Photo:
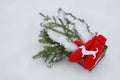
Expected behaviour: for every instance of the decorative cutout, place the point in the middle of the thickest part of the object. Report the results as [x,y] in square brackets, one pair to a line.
[88,52]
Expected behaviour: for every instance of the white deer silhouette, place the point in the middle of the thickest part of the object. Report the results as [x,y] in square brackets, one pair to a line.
[86,52]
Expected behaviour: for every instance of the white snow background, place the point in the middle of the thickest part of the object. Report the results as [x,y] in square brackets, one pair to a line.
[19,30]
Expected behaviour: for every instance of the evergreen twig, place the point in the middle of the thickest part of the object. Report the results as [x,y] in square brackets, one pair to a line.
[51,53]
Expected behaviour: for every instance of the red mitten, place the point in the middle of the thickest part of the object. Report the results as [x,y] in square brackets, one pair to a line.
[78,43]
[99,43]
[89,43]
[76,56]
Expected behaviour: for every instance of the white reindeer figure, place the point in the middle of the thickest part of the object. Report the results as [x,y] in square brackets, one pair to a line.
[86,52]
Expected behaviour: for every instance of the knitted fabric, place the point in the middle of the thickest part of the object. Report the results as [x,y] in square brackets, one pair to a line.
[89,62]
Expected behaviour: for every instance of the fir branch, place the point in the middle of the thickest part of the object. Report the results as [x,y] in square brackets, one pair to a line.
[51,53]
[44,37]
[46,17]
[79,19]
[67,32]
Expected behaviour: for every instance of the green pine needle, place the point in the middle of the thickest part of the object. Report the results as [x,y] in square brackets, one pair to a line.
[52,53]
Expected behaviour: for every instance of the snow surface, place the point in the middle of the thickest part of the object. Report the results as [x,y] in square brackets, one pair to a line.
[19,29]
